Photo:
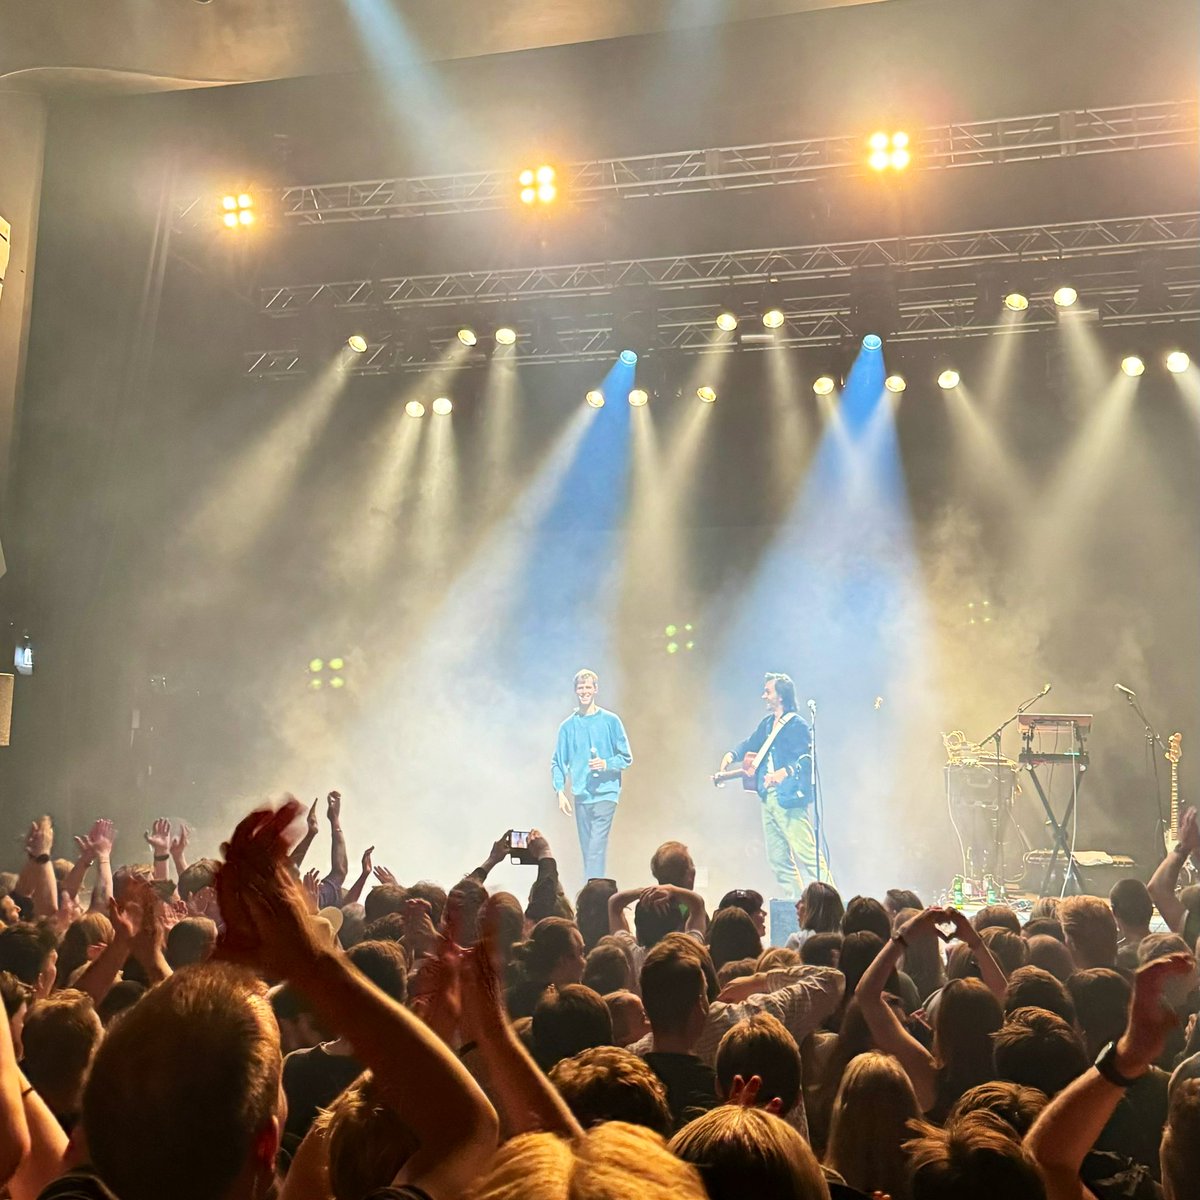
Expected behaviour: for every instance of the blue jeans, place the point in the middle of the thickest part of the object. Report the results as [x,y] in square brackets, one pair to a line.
[593,822]
[792,850]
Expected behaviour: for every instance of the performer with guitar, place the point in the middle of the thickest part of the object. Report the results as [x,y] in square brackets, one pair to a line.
[776,762]
[592,751]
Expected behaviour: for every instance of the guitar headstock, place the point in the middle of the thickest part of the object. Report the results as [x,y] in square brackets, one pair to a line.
[1174,753]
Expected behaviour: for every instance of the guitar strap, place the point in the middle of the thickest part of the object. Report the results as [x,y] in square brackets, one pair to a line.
[766,746]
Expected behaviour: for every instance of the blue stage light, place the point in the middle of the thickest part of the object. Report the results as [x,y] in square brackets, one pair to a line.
[872,341]
[629,358]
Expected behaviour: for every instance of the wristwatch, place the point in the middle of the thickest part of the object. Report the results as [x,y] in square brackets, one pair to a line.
[1106,1064]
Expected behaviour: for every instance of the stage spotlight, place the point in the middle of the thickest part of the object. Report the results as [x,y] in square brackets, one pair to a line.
[315,665]
[629,357]
[1065,296]
[538,185]
[337,682]
[1178,362]
[442,406]
[823,385]
[468,336]
[639,397]
[336,664]
[595,398]
[872,342]
[773,318]
[357,343]
[948,380]
[238,210]
[506,335]
[888,150]
[895,383]
[707,394]
[727,320]
[1132,366]
[415,408]
[1016,301]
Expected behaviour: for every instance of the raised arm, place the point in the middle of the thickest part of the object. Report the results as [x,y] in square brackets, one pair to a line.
[178,848]
[101,839]
[889,1034]
[14,1131]
[429,1089]
[356,889]
[1070,1124]
[990,971]
[546,897]
[339,864]
[527,1100]
[311,825]
[618,902]
[1165,879]
[37,876]
[697,920]
[494,859]
[85,856]
[158,838]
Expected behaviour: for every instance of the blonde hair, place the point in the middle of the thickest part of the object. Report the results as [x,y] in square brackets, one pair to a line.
[869,1125]
[749,1152]
[1091,930]
[587,673]
[367,1141]
[612,1162]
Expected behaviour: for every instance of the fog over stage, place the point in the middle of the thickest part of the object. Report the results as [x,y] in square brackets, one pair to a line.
[217,499]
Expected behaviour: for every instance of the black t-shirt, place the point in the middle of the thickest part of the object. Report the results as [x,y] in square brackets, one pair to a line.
[691,1085]
[313,1079]
[400,1193]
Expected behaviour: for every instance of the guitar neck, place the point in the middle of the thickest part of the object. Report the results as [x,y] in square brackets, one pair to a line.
[1175,801]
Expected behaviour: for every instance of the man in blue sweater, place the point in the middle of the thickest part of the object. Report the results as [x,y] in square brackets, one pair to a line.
[783,779]
[592,752]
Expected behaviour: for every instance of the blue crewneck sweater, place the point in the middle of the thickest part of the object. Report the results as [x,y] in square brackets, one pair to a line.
[578,736]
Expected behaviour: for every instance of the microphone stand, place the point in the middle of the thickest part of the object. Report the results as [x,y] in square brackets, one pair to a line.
[994,736]
[1152,740]
[812,713]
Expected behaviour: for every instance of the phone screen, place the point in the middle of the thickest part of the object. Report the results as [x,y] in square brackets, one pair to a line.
[518,839]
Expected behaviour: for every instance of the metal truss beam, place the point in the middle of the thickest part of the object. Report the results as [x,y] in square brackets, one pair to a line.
[1066,134]
[817,321]
[919,256]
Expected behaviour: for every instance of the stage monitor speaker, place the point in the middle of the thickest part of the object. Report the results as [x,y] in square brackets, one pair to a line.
[6,699]
[783,921]
[1098,870]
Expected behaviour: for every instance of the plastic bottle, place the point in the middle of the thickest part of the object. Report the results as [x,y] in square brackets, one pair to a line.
[956,891]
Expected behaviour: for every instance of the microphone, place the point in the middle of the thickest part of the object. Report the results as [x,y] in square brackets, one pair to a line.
[1128,693]
[812,706]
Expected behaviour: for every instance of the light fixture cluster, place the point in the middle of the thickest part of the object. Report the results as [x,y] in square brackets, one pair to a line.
[1176,361]
[324,674]
[505,335]
[888,151]
[443,406]
[773,317]
[238,211]
[539,185]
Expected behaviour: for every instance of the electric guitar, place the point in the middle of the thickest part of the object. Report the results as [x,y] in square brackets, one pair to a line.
[1173,755]
[745,771]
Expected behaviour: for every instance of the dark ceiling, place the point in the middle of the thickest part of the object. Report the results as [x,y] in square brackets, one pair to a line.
[124,45]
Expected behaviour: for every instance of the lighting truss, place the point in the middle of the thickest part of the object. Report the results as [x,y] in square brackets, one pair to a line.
[918,255]
[1070,133]
[930,314]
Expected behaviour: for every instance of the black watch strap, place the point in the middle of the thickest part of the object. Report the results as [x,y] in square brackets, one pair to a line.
[1106,1064]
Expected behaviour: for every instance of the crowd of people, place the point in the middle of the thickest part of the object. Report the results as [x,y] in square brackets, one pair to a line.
[244,1027]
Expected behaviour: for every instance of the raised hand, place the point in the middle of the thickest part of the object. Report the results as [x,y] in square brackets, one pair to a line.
[366,860]
[179,843]
[1189,831]
[1151,1017]
[539,847]
[158,837]
[744,1092]
[312,822]
[333,809]
[482,997]
[385,877]
[102,835]
[499,850]
[266,919]
[40,838]
[312,888]
[126,919]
